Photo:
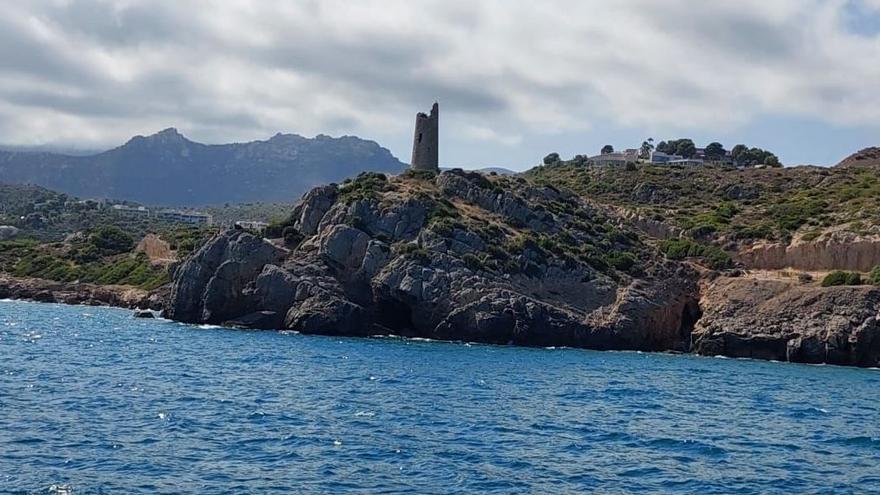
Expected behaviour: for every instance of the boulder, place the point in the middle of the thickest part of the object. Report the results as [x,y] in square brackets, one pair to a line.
[7,232]
[258,320]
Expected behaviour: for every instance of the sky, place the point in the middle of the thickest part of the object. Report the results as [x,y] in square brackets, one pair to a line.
[515,79]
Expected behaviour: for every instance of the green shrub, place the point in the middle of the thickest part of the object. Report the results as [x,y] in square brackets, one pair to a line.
[839,277]
[110,240]
[472,262]
[366,185]
[679,249]
[874,277]
[854,278]
[622,260]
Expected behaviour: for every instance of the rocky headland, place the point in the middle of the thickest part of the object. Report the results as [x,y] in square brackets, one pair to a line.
[511,260]
[463,256]
[458,256]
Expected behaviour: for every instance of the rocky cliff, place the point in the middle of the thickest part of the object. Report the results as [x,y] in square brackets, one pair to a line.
[788,321]
[458,256]
[845,251]
[464,256]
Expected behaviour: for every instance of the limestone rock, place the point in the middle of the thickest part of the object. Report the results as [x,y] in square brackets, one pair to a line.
[209,287]
[786,321]
[456,256]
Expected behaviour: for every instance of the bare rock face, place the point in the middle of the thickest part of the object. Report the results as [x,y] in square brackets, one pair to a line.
[784,321]
[843,251]
[459,256]
[210,286]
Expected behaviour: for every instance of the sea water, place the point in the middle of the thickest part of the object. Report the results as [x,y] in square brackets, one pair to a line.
[95,401]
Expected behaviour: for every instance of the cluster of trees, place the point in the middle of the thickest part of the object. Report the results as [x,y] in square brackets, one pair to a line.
[741,154]
[748,157]
[684,147]
[838,278]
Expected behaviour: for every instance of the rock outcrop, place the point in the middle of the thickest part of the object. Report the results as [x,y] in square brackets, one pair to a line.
[843,251]
[34,289]
[786,321]
[7,232]
[458,256]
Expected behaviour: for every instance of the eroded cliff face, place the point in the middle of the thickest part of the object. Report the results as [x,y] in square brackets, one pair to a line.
[456,256]
[842,252]
[786,321]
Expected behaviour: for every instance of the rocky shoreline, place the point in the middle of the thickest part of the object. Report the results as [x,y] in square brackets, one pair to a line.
[466,257]
[41,290]
[380,265]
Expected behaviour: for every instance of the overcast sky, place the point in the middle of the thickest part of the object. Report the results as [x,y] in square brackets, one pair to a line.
[515,79]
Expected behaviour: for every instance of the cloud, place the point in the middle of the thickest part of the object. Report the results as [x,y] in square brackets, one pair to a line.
[93,72]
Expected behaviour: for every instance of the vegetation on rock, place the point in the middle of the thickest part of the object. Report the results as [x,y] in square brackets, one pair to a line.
[729,204]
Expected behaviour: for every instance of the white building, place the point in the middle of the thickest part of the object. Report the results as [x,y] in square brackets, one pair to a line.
[251,225]
[131,211]
[188,217]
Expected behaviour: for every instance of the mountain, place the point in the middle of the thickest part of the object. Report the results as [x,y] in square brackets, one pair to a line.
[167,168]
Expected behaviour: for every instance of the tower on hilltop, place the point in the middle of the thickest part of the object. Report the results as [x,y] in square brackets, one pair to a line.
[425,155]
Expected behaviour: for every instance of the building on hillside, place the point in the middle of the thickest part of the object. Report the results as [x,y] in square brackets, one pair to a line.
[251,225]
[188,217]
[686,162]
[131,211]
[661,158]
[616,158]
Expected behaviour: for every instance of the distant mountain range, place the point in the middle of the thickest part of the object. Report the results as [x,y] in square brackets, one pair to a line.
[169,169]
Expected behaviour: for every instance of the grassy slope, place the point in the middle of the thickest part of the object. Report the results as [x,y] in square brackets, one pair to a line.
[727,204]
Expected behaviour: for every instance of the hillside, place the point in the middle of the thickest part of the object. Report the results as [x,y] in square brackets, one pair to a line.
[868,157]
[169,169]
[730,205]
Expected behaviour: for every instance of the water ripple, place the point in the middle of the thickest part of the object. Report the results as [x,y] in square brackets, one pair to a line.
[94,401]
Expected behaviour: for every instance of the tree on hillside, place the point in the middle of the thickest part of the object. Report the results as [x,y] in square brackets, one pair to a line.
[551,159]
[744,156]
[646,149]
[715,151]
[110,240]
[738,153]
[607,149]
[685,148]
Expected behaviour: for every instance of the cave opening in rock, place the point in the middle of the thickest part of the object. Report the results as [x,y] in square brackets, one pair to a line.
[395,316]
[690,315]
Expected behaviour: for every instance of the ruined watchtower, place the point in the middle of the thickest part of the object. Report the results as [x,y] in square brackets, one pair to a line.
[425,155]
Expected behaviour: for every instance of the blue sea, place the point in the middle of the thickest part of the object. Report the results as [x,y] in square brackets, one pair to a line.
[95,401]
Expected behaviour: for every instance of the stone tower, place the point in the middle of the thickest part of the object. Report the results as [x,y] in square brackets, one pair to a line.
[425,155]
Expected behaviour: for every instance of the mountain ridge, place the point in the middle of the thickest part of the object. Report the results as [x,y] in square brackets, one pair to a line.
[169,168]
